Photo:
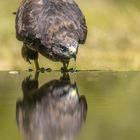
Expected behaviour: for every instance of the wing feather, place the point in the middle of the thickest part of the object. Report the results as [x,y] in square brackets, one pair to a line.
[26,19]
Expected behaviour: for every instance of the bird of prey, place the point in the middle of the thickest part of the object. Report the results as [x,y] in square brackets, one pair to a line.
[54,111]
[53,28]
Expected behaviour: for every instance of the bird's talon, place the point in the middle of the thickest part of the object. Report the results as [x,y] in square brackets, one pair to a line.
[42,70]
[63,70]
[67,70]
[71,70]
[48,69]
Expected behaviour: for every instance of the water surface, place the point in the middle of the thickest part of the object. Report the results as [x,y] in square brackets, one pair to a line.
[94,105]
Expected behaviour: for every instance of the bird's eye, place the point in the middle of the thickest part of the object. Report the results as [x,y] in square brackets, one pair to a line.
[64,49]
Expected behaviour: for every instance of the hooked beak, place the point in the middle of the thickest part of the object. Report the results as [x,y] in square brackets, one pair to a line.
[74,56]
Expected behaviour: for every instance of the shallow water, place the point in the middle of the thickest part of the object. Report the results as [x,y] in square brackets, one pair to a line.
[100,106]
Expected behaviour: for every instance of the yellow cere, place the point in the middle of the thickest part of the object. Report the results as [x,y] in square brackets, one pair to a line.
[73,93]
[72,50]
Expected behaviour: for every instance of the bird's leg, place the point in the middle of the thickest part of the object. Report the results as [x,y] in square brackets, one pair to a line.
[65,66]
[38,69]
[37,65]
[36,75]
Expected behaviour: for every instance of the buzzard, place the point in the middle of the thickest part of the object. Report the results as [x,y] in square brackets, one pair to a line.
[53,28]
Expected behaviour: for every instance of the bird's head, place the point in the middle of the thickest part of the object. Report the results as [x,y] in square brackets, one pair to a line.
[66,50]
[73,49]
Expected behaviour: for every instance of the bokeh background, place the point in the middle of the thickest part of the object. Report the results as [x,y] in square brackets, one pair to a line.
[113,41]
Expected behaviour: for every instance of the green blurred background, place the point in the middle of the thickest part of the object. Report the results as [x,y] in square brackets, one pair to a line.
[112,43]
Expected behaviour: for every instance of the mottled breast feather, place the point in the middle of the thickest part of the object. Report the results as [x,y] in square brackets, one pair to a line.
[50,21]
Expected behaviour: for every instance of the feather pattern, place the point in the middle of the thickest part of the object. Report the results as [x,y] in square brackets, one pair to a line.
[44,24]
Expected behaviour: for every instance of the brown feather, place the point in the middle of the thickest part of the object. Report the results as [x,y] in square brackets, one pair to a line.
[50,22]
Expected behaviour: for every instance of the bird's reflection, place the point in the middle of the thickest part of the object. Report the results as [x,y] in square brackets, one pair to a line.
[55,111]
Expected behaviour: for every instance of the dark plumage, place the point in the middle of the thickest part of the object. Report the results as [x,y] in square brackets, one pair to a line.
[54,28]
[54,111]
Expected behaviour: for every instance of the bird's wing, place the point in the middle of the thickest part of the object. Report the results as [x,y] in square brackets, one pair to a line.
[26,19]
[80,21]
